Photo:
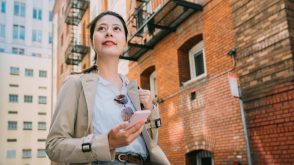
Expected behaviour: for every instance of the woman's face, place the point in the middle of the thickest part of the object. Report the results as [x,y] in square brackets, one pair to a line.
[109,36]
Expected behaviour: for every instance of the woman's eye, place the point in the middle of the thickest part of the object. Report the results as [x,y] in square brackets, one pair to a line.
[101,28]
[116,29]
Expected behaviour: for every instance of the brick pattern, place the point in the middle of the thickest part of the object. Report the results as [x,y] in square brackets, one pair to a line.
[263,31]
[212,121]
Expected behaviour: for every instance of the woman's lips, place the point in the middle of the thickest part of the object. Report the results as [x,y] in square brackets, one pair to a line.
[108,43]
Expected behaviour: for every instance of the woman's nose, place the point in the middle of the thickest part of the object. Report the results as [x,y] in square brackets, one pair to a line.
[108,33]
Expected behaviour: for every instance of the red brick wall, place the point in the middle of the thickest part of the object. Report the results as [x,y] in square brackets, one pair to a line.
[270,121]
[211,121]
[265,66]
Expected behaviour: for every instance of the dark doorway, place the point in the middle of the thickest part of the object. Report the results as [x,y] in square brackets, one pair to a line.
[199,157]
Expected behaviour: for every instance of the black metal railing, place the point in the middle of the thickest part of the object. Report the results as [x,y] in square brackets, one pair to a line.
[147,28]
[75,11]
[76,49]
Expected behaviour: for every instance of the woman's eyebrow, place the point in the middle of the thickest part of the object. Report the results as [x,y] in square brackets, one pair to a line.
[103,23]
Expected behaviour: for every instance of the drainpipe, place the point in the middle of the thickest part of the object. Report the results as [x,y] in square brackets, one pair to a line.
[245,132]
[236,92]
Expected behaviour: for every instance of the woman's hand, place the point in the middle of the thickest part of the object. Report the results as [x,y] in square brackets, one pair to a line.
[145,98]
[119,136]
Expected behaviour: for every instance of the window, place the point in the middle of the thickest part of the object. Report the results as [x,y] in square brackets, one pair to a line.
[153,86]
[42,100]
[12,112]
[37,36]
[2,31]
[13,85]
[41,140]
[37,54]
[28,99]
[20,51]
[42,113]
[50,16]
[18,32]
[26,153]
[37,14]
[14,70]
[10,154]
[197,61]
[11,140]
[41,153]
[148,80]
[29,72]
[50,38]
[41,125]
[42,87]
[12,125]
[19,9]
[42,73]
[13,98]
[27,125]
[3,6]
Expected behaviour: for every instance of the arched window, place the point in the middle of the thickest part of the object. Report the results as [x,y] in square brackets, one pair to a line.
[148,80]
[191,59]
[199,157]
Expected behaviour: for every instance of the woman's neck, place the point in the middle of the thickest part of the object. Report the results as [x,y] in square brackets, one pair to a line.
[108,69]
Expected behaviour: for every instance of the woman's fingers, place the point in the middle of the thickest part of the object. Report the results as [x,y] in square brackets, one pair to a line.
[120,136]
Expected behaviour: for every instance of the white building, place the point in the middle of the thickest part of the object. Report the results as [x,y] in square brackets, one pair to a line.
[26,80]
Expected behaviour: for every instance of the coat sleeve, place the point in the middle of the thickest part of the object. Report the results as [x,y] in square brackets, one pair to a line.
[61,145]
[153,131]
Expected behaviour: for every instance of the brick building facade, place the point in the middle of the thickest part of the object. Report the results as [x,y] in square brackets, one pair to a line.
[201,121]
[264,38]
[200,118]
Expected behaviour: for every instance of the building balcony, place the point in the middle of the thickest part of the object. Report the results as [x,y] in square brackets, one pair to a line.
[75,11]
[75,51]
[147,28]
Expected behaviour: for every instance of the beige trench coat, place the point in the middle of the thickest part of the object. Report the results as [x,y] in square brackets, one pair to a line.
[72,125]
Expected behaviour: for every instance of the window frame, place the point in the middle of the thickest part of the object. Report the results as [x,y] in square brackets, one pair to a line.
[41,100]
[153,85]
[43,73]
[11,151]
[37,36]
[14,70]
[27,125]
[21,9]
[19,32]
[9,123]
[41,153]
[13,100]
[2,31]
[29,72]
[27,153]
[28,99]
[195,51]
[3,6]
[42,125]
[37,14]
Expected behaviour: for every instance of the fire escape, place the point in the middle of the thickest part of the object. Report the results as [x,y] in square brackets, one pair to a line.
[147,28]
[76,48]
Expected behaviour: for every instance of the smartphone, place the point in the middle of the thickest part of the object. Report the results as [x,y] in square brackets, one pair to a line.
[138,116]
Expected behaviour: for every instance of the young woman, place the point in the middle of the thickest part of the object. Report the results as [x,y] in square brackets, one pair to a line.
[89,125]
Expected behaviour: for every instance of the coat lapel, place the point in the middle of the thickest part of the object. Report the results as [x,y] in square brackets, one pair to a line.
[134,94]
[89,82]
